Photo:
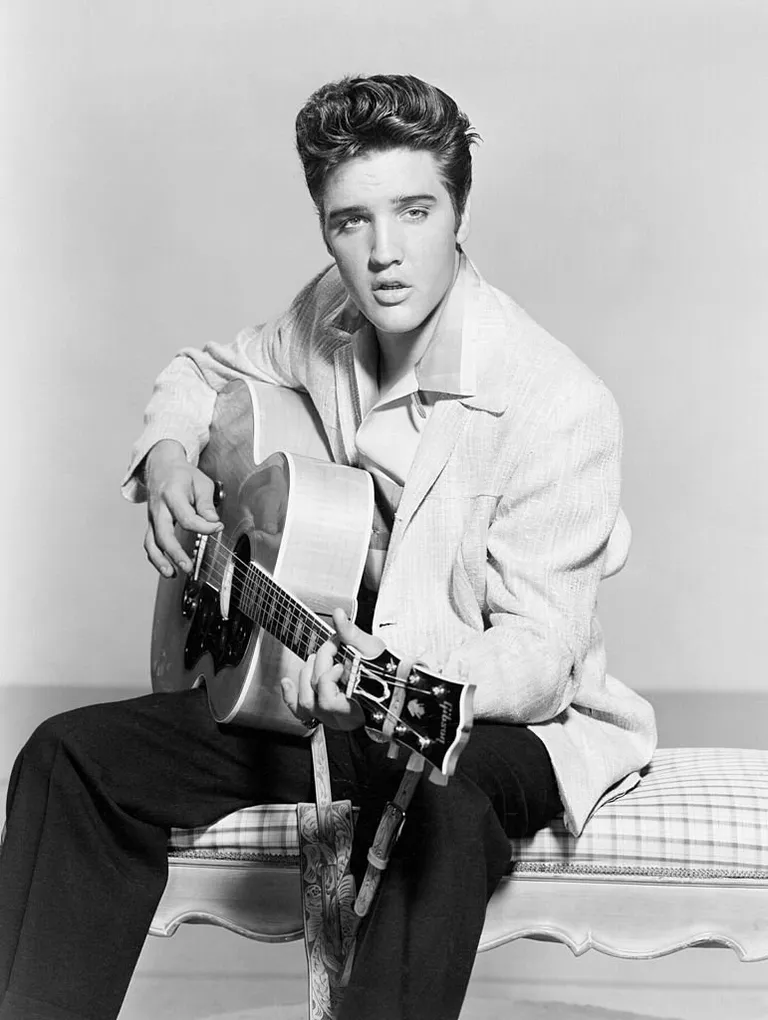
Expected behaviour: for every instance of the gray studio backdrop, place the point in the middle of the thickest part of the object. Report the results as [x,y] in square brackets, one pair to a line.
[151,199]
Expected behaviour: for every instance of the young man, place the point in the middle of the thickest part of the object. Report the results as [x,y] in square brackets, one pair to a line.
[495,457]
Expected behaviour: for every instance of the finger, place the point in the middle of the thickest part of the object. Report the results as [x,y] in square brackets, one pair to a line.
[307,699]
[202,488]
[184,514]
[161,523]
[155,556]
[350,634]
[325,656]
[328,694]
[290,694]
[334,706]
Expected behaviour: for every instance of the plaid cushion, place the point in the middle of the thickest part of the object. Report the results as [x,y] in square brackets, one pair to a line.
[264,832]
[697,813]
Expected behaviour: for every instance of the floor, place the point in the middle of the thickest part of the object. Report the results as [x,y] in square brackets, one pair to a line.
[207,974]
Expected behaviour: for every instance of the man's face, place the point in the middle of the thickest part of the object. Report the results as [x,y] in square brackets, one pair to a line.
[389,223]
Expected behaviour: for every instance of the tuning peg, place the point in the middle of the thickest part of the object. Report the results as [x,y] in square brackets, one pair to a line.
[439,690]
[438,778]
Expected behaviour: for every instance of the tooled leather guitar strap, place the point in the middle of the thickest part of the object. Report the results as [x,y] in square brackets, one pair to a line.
[327,887]
[331,912]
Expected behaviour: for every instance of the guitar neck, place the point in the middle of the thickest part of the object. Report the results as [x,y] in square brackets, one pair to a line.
[288,621]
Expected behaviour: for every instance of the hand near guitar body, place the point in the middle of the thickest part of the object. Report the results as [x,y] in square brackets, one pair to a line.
[177,493]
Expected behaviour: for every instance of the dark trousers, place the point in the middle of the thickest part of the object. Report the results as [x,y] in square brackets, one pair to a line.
[94,792]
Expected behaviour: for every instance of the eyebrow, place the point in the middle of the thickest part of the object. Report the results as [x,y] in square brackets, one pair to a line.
[399,202]
[425,199]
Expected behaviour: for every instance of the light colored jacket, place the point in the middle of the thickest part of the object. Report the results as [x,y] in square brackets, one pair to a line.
[508,520]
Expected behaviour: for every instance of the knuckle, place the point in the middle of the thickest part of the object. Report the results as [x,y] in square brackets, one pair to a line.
[185,516]
[326,698]
[162,540]
[203,483]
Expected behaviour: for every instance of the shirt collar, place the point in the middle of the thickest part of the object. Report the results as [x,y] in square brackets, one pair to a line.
[448,364]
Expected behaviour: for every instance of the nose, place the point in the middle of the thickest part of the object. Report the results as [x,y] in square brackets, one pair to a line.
[386,246]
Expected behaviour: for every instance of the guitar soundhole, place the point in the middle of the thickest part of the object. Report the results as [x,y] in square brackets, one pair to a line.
[224,639]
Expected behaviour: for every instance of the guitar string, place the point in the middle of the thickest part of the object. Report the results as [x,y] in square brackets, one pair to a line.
[288,609]
[250,589]
[286,606]
[286,614]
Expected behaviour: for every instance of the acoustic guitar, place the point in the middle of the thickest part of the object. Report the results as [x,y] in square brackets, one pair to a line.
[258,600]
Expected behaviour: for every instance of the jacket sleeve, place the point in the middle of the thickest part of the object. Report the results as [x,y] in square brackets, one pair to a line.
[184,395]
[547,549]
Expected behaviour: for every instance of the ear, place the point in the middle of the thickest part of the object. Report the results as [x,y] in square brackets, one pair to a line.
[321,222]
[462,231]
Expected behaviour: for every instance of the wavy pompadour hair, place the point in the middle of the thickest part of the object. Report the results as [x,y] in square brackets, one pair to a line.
[359,115]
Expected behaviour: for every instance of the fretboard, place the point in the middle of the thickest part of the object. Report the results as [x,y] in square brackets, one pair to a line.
[280,614]
[261,599]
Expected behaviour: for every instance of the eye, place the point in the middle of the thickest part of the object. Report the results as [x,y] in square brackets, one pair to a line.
[416,215]
[350,223]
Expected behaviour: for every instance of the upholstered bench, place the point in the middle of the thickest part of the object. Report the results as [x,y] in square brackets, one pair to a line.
[680,860]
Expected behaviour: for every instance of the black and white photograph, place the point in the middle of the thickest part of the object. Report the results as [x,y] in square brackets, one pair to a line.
[385,510]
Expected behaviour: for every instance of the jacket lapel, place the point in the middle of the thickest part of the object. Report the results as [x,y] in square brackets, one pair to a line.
[447,421]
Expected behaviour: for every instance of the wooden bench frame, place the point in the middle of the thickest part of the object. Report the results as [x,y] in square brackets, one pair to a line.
[629,916]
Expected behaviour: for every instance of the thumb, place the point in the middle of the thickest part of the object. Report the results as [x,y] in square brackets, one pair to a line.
[350,634]
[202,492]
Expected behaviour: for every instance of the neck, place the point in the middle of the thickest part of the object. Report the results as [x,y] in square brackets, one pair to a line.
[399,352]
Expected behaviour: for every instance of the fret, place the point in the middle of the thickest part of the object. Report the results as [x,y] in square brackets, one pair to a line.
[297,631]
[282,629]
[298,635]
[313,643]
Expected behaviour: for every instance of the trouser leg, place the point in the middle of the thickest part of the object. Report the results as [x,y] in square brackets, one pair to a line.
[415,953]
[94,792]
[91,800]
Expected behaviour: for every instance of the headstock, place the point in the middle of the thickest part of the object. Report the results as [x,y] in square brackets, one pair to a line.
[420,710]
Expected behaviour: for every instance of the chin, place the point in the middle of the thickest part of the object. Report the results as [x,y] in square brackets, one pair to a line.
[395,320]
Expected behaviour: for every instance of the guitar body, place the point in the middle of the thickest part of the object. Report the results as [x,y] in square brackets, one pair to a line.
[303,519]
